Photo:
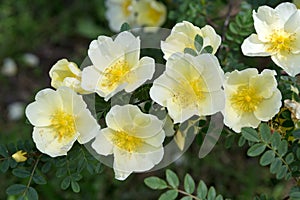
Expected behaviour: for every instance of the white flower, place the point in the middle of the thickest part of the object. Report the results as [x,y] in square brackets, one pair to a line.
[182,36]
[150,13]
[134,138]
[9,67]
[190,86]
[65,73]
[119,12]
[250,98]
[60,118]
[278,36]
[116,65]
[15,111]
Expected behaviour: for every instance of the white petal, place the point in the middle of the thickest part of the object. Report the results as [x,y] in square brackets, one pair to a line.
[156,140]
[87,126]
[293,22]
[211,38]
[213,103]
[102,145]
[90,79]
[285,10]
[269,107]
[265,83]
[179,113]
[290,63]
[146,125]
[47,142]
[252,46]
[240,77]
[40,112]
[141,74]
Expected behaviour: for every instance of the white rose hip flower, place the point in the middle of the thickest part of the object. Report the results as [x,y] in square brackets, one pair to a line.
[134,138]
[182,36]
[250,98]
[60,118]
[119,12]
[278,36]
[190,86]
[65,73]
[116,65]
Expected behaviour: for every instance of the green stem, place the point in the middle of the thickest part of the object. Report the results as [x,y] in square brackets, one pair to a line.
[1,159]
[31,175]
[184,193]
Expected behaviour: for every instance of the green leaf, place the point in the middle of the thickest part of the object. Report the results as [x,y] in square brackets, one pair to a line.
[289,158]
[125,27]
[15,189]
[190,51]
[169,195]
[21,173]
[32,194]
[211,193]
[296,133]
[4,165]
[65,183]
[282,172]
[275,140]
[265,132]
[172,178]
[198,42]
[275,165]
[46,167]
[38,178]
[3,151]
[241,141]
[201,190]
[186,198]
[75,186]
[155,183]
[189,184]
[256,149]
[267,158]
[283,147]
[295,195]
[207,49]
[219,197]
[250,134]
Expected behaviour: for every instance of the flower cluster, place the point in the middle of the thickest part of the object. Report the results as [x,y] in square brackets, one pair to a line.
[192,84]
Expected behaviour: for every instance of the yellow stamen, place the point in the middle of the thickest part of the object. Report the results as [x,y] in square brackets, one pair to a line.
[281,41]
[126,7]
[64,124]
[246,99]
[126,142]
[115,74]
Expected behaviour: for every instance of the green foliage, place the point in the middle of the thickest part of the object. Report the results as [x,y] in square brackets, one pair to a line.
[189,192]
[276,155]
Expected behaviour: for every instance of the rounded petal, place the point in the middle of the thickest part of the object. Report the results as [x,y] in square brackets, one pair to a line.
[269,107]
[285,10]
[47,142]
[293,22]
[87,126]
[239,77]
[252,46]
[211,38]
[102,145]
[40,112]
[213,103]
[143,72]
[90,79]
[290,63]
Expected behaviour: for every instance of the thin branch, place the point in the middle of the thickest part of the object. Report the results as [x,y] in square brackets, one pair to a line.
[31,175]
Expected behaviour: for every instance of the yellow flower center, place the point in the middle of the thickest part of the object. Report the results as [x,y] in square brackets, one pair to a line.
[125,7]
[115,74]
[153,15]
[246,99]
[185,96]
[281,41]
[64,124]
[126,142]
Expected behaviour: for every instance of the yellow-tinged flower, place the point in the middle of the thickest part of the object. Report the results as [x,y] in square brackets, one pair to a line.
[183,35]
[119,12]
[250,98]
[60,118]
[278,36]
[150,13]
[65,73]
[190,86]
[20,156]
[116,65]
[134,138]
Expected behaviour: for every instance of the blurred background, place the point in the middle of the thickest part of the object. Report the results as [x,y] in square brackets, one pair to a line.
[35,34]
